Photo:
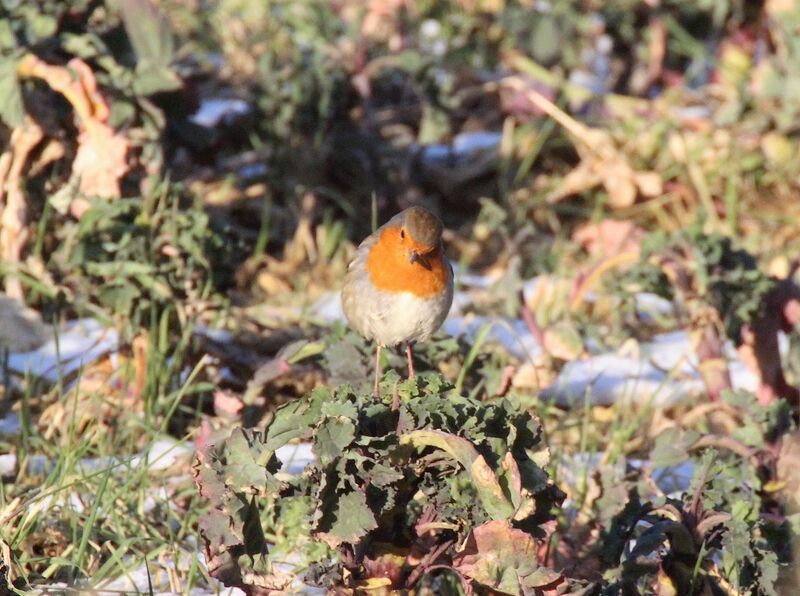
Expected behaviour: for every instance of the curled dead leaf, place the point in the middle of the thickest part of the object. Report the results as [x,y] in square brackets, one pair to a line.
[13,217]
[649,183]
[504,559]
[618,180]
[602,163]
[609,237]
[101,159]
[563,341]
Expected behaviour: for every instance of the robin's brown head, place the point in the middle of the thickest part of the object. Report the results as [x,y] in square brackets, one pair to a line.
[407,255]
[421,234]
[422,228]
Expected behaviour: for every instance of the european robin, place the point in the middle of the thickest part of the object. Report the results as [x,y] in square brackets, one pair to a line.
[399,287]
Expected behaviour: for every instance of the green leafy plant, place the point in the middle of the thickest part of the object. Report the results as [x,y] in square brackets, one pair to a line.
[710,540]
[140,254]
[700,515]
[397,484]
[701,269]
[285,48]
[720,293]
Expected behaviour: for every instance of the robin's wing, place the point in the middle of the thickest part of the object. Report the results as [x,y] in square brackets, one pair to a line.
[355,289]
[362,252]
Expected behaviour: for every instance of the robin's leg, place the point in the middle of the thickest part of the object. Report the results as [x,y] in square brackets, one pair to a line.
[376,391]
[410,356]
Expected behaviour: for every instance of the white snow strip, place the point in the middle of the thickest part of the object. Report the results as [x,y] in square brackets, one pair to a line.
[609,378]
[663,372]
[79,343]
[160,455]
[512,334]
[10,424]
[295,457]
[481,140]
[215,110]
[672,480]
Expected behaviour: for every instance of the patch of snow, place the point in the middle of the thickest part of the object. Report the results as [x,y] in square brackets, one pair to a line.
[612,378]
[253,170]
[664,373]
[160,455]
[79,343]
[472,280]
[214,111]
[328,307]
[671,480]
[8,462]
[482,140]
[512,334]
[295,457]
[650,306]
[464,147]
[10,424]
[218,335]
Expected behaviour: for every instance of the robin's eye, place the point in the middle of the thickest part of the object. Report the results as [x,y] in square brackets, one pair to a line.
[402,233]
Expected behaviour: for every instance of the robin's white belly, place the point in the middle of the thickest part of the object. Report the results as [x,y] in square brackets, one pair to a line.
[394,318]
[412,319]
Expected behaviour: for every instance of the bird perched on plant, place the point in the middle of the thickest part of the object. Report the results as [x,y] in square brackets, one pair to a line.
[399,287]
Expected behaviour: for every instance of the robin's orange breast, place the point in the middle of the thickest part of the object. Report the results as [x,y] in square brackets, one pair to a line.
[390,269]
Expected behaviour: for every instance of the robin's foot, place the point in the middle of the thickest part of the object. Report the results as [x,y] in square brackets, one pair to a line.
[376,391]
[410,356]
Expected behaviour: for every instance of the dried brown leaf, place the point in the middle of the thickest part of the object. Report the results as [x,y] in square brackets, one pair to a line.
[504,559]
[618,180]
[609,237]
[601,161]
[101,159]
[13,219]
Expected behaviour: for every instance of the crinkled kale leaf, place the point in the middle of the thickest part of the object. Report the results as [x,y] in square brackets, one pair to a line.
[397,484]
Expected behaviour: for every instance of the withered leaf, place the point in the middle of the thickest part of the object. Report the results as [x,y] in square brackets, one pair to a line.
[504,559]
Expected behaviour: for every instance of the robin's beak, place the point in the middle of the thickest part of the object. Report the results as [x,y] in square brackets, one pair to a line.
[421,258]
